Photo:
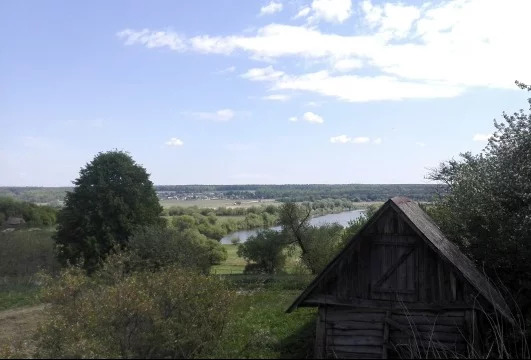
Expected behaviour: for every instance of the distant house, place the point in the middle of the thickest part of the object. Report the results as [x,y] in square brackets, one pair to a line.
[14,221]
[401,289]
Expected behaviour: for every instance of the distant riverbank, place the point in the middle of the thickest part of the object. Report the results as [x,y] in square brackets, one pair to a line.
[341,218]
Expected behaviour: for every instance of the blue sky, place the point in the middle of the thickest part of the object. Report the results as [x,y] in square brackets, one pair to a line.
[282,91]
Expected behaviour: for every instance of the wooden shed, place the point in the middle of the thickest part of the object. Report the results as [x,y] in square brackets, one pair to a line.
[401,289]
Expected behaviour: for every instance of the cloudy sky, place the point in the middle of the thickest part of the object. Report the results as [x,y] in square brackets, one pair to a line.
[282,91]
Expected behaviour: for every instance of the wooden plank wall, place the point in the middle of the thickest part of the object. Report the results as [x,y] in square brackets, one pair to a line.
[375,334]
[424,277]
[353,334]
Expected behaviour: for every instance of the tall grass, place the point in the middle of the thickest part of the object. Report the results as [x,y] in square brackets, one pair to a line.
[494,336]
[24,253]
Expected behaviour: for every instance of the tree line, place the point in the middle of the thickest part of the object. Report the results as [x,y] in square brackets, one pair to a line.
[33,215]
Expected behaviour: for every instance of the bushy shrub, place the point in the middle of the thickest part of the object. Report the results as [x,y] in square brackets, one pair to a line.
[486,208]
[355,225]
[154,248]
[321,243]
[264,252]
[33,214]
[172,313]
[24,253]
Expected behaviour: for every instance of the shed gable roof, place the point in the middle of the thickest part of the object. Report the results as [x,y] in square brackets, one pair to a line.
[429,232]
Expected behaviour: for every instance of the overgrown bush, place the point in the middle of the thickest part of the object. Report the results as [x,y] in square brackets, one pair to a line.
[171,313]
[264,252]
[153,248]
[322,243]
[33,214]
[24,253]
[486,208]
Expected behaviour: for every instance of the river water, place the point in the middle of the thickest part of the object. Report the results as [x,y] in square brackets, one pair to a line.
[341,218]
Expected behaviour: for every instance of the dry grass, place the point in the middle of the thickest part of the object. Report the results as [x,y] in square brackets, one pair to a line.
[17,329]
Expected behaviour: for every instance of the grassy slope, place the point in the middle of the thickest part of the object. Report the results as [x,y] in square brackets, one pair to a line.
[260,328]
[258,325]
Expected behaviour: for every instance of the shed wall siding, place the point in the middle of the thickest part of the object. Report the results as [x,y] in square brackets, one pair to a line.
[421,276]
[369,333]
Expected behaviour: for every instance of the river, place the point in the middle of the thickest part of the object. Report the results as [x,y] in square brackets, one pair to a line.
[341,218]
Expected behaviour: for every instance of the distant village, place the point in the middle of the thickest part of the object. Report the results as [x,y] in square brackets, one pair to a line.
[211,195]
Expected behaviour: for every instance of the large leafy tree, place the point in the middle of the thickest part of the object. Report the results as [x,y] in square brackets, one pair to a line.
[112,197]
[487,207]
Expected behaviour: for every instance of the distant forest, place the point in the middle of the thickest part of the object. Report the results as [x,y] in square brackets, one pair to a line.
[299,192]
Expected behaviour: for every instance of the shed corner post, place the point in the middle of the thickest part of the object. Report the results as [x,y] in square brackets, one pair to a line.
[320,334]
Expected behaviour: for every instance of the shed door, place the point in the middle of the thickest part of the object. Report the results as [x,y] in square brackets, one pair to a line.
[394,268]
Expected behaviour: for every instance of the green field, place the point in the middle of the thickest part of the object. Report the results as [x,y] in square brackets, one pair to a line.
[213,204]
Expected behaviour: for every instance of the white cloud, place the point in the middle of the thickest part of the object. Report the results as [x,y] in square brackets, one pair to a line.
[481,137]
[340,139]
[437,49]
[174,142]
[262,74]
[355,88]
[352,88]
[305,11]
[395,20]
[220,115]
[361,140]
[336,11]
[313,103]
[271,8]
[344,139]
[277,97]
[344,65]
[293,119]
[312,118]
[421,144]
[153,39]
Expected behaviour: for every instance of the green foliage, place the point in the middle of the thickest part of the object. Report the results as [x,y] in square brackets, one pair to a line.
[355,225]
[260,328]
[112,197]
[33,214]
[24,253]
[154,248]
[487,208]
[171,313]
[322,243]
[264,252]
